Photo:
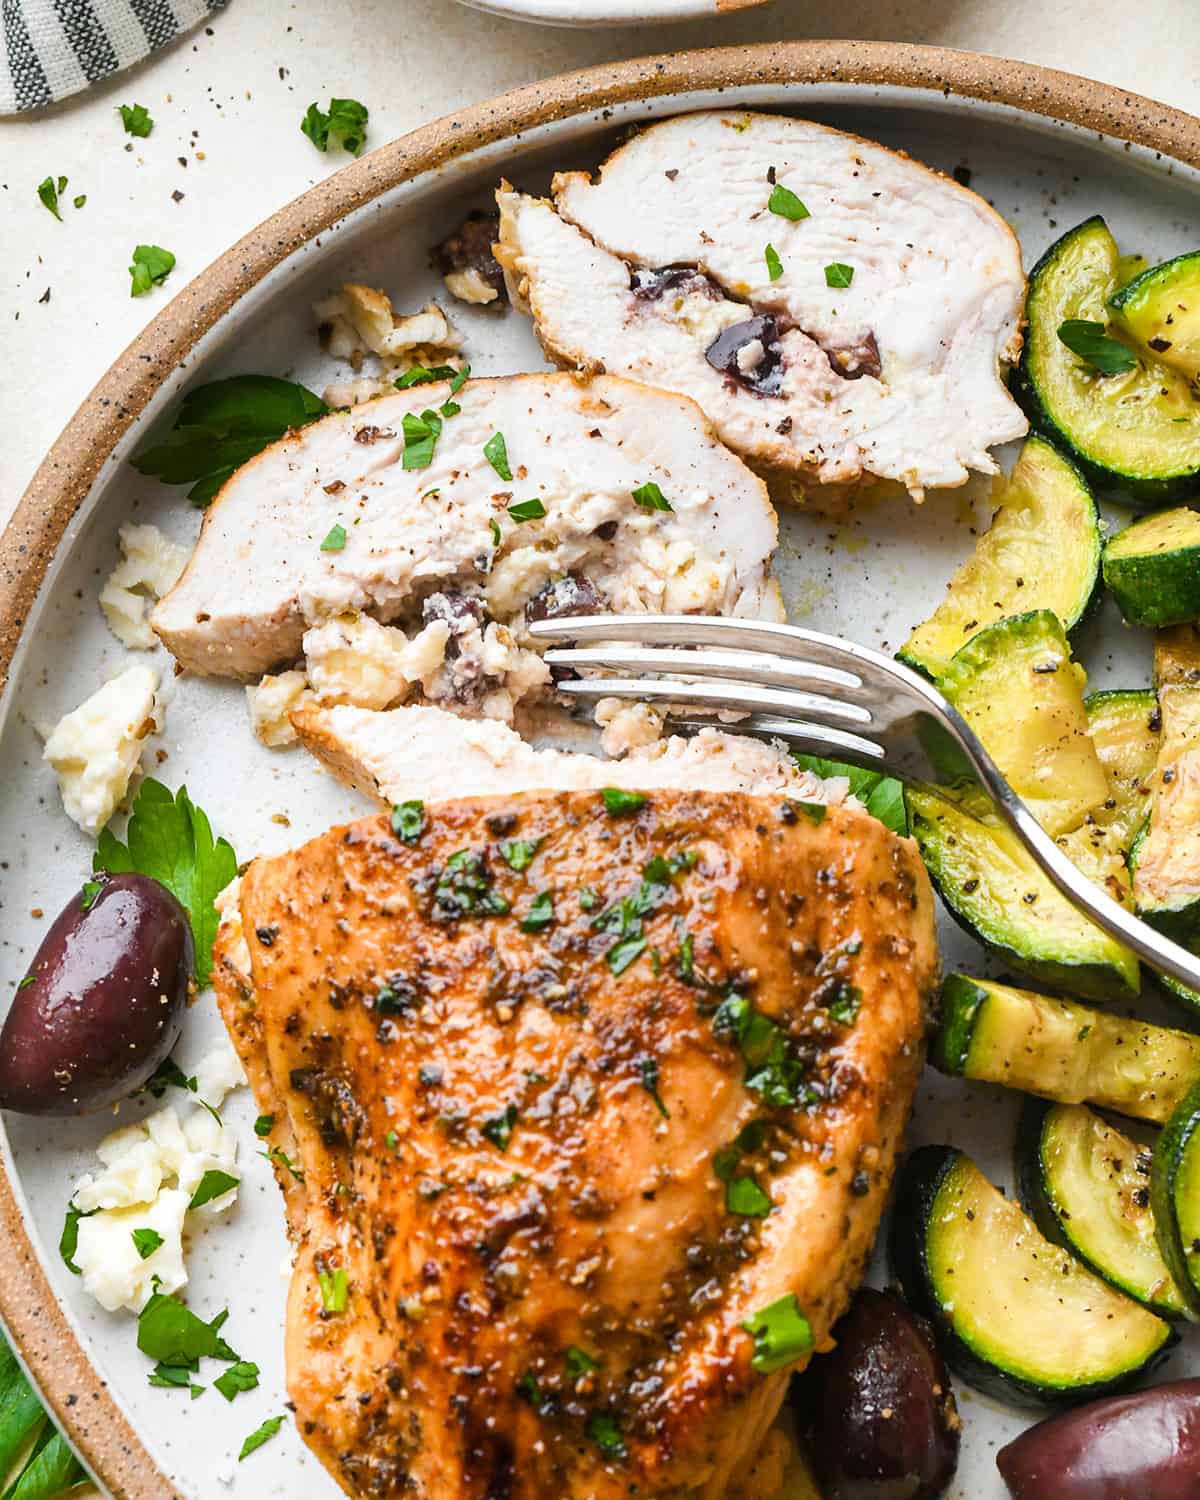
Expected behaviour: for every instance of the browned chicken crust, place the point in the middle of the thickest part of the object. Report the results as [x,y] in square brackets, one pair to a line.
[500,1092]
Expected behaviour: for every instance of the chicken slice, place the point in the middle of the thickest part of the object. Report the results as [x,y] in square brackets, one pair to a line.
[576,1094]
[328,522]
[858,327]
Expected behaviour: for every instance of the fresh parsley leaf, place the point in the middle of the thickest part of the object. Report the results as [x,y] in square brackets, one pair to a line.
[495,526]
[1096,347]
[837,274]
[91,889]
[589,899]
[744,1197]
[79,200]
[774,264]
[650,497]
[68,1241]
[344,123]
[518,853]
[495,451]
[785,203]
[237,1378]
[173,1334]
[20,1409]
[845,1005]
[420,438]
[499,1128]
[147,1241]
[48,192]
[540,914]
[281,1158]
[781,1335]
[264,1125]
[167,1075]
[151,267]
[261,1435]
[464,890]
[625,952]
[647,1067]
[171,839]
[579,1362]
[619,804]
[136,119]
[335,539]
[425,375]
[603,1430]
[52,1470]
[214,1184]
[335,1289]
[882,796]
[176,1377]
[408,821]
[527,510]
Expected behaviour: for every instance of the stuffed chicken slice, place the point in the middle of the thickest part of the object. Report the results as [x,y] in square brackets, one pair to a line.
[836,308]
[591,1104]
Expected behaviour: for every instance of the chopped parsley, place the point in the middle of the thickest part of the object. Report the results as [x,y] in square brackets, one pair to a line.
[1096,347]
[785,203]
[518,853]
[774,264]
[781,1335]
[214,1184]
[495,527]
[264,1125]
[647,1067]
[48,190]
[172,1333]
[529,1390]
[463,889]
[838,274]
[68,1241]
[603,1430]
[496,452]
[136,119]
[237,1378]
[624,917]
[771,1069]
[619,804]
[540,914]
[527,510]
[151,267]
[391,1140]
[408,821]
[146,1242]
[687,958]
[650,497]
[167,1075]
[744,1197]
[625,952]
[882,796]
[335,1289]
[261,1435]
[421,375]
[845,1005]
[344,123]
[499,1128]
[279,1157]
[580,1362]
[335,539]
[176,1377]
[79,200]
[420,438]
[91,889]
[589,899]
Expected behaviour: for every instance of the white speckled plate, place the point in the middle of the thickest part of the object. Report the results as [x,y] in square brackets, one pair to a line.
[610,12]
[871,579]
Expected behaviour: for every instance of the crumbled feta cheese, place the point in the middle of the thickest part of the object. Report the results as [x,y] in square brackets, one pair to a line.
[271,703]
[359,322]
[218,1073]
[627,726]
[150,565]
[95,749]
[470,285]
[354,659]
[110,1263]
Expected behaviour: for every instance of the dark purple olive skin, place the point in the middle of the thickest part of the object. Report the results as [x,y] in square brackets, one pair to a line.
[1145,1446]
[880,1410]
[103,1002]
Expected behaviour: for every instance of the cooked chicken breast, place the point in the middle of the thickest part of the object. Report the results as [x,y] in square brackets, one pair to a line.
[327,529]
[836,308]
[429,754]
[594,1112]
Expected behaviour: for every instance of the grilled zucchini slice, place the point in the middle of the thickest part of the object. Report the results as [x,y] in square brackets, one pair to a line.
[1061,1050]
[1160,310]
[994,890]
[1152,569]
[1175,1196]
[1016,1316]
[1041,552]
[1087,1188]
[1137,431]
[1018,689]
[1125,726]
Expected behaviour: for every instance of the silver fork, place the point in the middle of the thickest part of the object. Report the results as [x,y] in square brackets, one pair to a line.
[833,697]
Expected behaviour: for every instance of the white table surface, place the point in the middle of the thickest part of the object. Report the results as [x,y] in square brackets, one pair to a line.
[229,100]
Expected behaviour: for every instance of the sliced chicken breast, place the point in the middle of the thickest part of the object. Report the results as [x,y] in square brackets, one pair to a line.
[518,1272]
[429,754]
[327,529]
[836,308]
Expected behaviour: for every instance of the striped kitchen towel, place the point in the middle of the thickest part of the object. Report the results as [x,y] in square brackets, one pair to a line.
[54,48]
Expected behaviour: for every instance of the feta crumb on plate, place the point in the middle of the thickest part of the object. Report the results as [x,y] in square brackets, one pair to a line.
[96,747]
[149,568]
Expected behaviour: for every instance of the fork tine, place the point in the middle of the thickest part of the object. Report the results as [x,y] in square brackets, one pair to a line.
[738,666]
[822,737]
[722,694]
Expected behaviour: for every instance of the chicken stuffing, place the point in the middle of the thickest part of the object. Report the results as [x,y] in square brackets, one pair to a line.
[585,1110]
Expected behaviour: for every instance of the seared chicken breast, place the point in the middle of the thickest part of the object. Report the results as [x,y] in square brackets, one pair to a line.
[836,308]
[586,1109]
[538,495]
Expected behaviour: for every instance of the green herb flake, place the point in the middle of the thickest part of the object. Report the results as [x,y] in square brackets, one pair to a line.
[619,804]
[518,853]
[279,1157]
[23,984]
[79,200]
[173,1334]
[815,812]
[650,497]
[408,821]
[261,1435]
[529,1390]
[136,119]
[686,962]
[744,1197]
[464,890]
[264,1125]
[335,1289]
[603,1430]
[579,1362]
[785,203]
[151,267]
[774,264]
[624,953]
[499,1128]
[237,1378]
[1096,347]
[167,1075]
[421,375]
[495,529]
[838,275]
[68,1241]
[845,1005]
[91,889]
[146,1242]
[335,539]
[589,899]
[48,192]
[647,1067]
[540,914]
[495,451]
[420,438]
[527,510]
[175,1377]
[391,1140]
[214,1184]
[882,796]
[344,123]
[781,1335]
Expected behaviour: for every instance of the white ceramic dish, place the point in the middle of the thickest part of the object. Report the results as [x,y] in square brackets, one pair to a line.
[871,579]
[597,13]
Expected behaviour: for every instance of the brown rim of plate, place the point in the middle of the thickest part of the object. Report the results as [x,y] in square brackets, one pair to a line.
[78,1398]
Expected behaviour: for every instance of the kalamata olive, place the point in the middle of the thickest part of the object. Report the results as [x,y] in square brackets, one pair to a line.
[469,248]
[678,281]
[103,1002]
[573,594]
[880,1408]
[751,354]
[1145,1444]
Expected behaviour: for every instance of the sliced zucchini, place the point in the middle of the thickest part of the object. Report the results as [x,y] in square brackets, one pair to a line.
[1088,1188]
[1017,687]
[1175,1196]
[1152,568]
[1126,731]
[1016,1316]
[1042,552]
[1166,856]
[1138,430]
[1061,1050]
[1160,309]
[994,890]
